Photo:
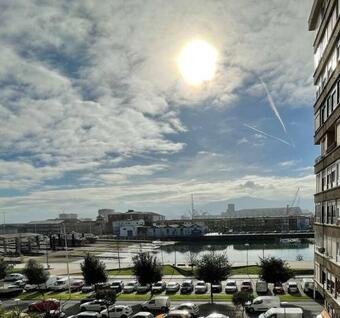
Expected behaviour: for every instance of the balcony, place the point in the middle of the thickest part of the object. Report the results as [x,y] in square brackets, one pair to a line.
[331,147]
[328,158]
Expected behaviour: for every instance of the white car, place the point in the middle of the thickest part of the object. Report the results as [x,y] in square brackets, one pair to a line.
[216,315]
[130,287]
[94,305]
[14,277]
[191,308]
[143,314]
[158,287]
[177,314]
[230,286]
[117,311]
[87,314]
[172,287]
[17,284]
[292,288]
[201,287]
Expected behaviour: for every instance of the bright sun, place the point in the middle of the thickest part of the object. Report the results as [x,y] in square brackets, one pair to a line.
[197,62]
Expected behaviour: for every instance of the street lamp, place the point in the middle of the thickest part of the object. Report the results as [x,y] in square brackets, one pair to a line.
[247,246]
[264,245]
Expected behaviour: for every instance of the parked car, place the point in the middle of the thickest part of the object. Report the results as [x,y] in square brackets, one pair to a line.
[143,314]
[141,289]
[130,287]
[191,308]
[246,285]
[86,314]
[230,286]
[201,287]
[117,311]
[46,286]
[263,303]
[44,305]
[285,312]
[87,288]
[13,277]
[62,283]
[307,285]
[95,305]
[172,287]
[54,314]
[292,288]
[216,287]
[117,286]
[91,297]
[261,287]
[17,284]
[278,288]
[187,287]
[157,303]
[177,314]
[216,315]
[158,287]
[77,285]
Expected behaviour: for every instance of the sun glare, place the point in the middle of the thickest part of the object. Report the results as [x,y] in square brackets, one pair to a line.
[197,62]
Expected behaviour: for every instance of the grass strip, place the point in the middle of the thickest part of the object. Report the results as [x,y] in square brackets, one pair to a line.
[144,297]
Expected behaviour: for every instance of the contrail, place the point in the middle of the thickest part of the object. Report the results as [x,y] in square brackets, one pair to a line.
[272,105]
[270,136]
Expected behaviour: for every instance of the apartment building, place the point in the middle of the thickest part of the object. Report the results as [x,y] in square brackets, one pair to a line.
[324,20]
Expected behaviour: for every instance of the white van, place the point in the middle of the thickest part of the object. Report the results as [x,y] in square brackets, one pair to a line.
[157,303]
[283,313]
[263,303]
[46,286]
[307,285]
[261,287]
[62,283]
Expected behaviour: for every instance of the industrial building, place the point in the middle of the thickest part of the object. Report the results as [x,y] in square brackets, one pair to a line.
[324,21]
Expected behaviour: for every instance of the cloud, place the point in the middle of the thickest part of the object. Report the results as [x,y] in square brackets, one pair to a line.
[289,163]
[91,97]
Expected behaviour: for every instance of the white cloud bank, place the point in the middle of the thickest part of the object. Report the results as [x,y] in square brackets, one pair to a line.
[85,85]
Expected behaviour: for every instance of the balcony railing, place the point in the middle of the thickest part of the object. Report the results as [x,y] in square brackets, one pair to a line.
[331,147]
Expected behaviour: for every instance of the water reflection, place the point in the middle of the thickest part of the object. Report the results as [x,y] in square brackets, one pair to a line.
[237,253]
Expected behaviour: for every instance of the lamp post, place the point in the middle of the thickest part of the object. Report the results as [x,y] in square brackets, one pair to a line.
[247,246]
[67,262]
[264,244]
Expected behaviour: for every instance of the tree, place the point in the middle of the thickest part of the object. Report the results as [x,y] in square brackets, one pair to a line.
[147,269]
[192,258]
[240,299]
[211,268]
[274,270]
[36,275]
[93,270]
[4,268]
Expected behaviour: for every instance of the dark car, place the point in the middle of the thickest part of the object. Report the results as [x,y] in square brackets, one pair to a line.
[117,286]
[278,288]
[187,287]
[216,287]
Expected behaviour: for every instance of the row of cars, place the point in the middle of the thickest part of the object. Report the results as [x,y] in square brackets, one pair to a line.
[161,306]
[201,287]
[56,283]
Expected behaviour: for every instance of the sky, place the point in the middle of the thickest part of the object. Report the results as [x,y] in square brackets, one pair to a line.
[94,112]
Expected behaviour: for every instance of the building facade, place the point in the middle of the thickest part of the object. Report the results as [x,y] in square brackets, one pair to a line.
[324,20]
